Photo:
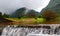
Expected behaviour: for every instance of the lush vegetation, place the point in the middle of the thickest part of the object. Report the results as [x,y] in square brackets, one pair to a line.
[32,17]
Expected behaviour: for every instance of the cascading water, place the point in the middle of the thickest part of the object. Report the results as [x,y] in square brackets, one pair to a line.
[21,31]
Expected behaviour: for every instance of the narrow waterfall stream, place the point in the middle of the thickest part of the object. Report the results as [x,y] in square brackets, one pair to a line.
[22,31]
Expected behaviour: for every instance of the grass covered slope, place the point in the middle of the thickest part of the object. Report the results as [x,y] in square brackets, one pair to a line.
[31,18]
[32,21]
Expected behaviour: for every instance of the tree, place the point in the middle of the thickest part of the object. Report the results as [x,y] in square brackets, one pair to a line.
[6,15]
[48,14]
[0,14]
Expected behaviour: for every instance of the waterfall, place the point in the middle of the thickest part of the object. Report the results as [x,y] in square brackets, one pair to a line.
[22,31]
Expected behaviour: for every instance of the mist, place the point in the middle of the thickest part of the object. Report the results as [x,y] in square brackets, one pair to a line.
[9,6]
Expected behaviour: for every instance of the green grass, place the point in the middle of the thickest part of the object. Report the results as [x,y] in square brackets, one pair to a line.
[58,19]
[13,19]
[38,20]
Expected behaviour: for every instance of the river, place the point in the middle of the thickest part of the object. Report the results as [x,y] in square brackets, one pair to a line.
[25,31]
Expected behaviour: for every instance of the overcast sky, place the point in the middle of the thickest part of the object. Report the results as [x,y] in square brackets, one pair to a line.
[8,6]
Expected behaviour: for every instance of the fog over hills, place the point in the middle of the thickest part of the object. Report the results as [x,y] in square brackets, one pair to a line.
[9,6]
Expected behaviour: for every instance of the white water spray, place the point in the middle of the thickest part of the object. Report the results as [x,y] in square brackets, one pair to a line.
[21,31]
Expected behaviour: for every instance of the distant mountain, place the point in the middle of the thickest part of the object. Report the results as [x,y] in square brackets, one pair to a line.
[21,12]
[32,13]
[53,3]
[55,9]
[18,13]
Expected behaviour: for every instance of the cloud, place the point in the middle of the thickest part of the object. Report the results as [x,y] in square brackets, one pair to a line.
[9,6]
[37,5]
